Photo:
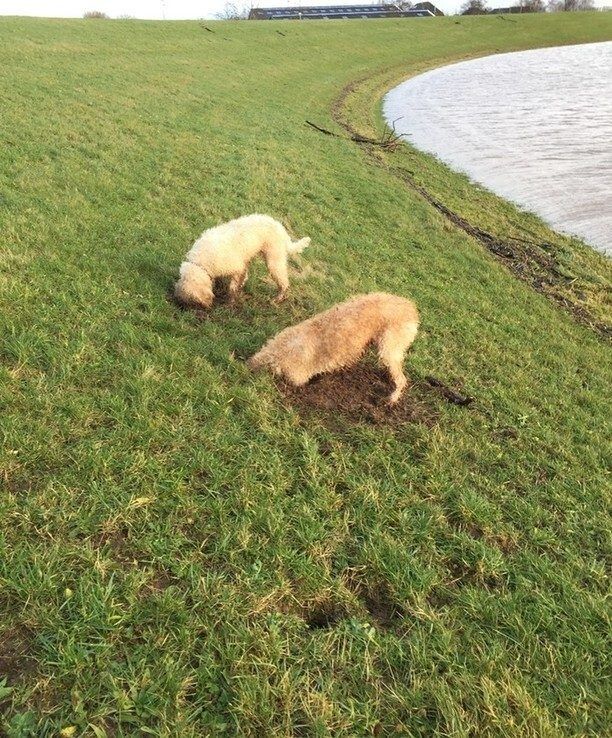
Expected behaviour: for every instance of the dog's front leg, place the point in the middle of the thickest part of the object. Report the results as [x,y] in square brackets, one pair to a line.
[236,284]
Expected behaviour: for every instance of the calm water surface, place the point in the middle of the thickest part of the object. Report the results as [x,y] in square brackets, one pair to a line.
[533,126]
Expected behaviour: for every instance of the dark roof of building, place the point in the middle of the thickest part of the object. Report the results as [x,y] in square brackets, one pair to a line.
[427,6]
[337,11]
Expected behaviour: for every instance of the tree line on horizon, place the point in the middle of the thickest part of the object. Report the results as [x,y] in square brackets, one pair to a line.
[480,7]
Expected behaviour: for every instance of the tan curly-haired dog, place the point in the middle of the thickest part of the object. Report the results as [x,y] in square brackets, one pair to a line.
[338,337]
[226,250]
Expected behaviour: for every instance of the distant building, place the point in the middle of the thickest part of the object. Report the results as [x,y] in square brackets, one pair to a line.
[306,12]
[427,6]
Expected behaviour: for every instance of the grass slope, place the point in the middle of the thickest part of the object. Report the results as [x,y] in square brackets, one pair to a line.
[184,554]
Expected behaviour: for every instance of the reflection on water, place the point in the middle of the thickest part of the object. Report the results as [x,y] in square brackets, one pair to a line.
[533,126]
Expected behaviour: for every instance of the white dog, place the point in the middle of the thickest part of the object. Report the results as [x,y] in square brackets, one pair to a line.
[338,337]
[226,250]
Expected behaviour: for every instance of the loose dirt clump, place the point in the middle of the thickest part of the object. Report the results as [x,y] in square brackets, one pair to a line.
[358,394]
[16,654]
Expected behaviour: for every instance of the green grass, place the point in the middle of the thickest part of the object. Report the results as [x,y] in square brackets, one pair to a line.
[184,554]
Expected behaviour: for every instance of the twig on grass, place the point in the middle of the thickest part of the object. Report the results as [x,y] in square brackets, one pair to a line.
[389,140]
[454,397]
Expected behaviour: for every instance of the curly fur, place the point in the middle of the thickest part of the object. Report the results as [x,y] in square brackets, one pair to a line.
[338,337]
[226,250]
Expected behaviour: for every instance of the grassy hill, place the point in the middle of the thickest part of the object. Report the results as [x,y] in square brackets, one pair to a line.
[188,550]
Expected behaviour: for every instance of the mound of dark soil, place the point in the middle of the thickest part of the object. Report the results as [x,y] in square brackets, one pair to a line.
[16,654]
[359,394]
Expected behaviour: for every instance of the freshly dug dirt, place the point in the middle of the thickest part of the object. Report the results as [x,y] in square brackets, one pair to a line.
[359,394]
[16,654]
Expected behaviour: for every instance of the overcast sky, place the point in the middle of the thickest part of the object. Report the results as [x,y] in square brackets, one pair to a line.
[170,9]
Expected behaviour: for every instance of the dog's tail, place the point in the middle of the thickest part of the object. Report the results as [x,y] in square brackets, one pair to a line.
[296,247]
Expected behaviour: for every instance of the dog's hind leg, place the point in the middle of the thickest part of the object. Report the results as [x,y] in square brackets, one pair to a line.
[277,266]
[394,365]
[392,347]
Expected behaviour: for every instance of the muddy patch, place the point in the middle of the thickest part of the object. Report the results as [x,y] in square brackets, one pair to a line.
[324,614]
[321,612]
[371,601]
[359,394]
[463,574]
[115,543]
[377,599]
[381,606]
[439,597]
[158,583]
[503,540]
[17,659]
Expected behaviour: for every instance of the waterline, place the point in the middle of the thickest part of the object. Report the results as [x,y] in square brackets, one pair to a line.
[533,126]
